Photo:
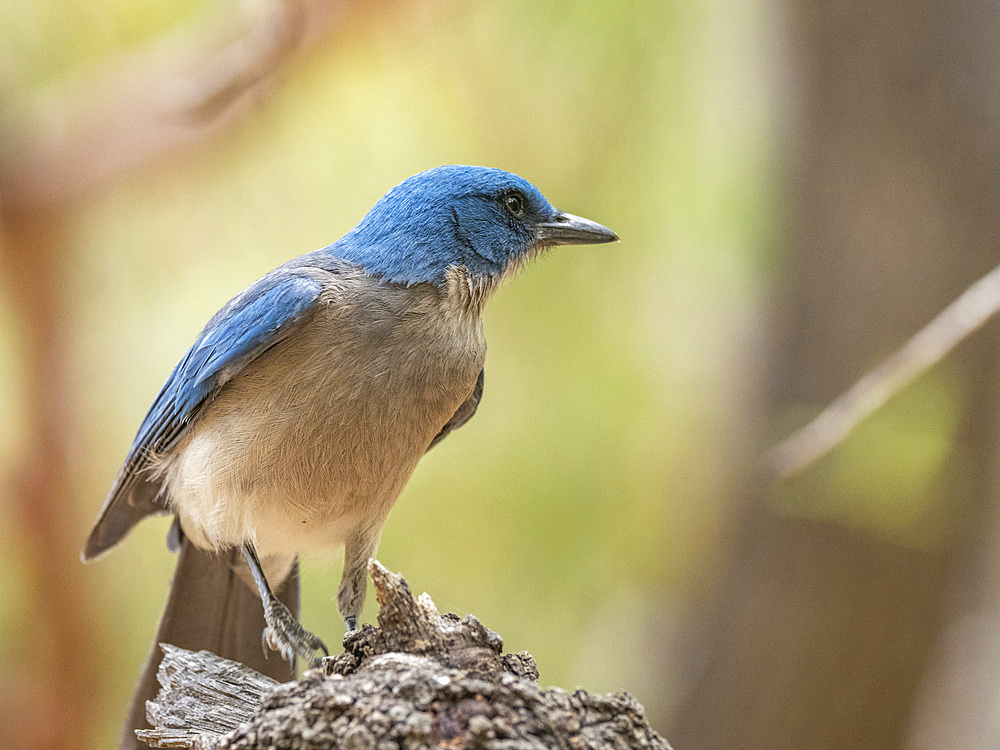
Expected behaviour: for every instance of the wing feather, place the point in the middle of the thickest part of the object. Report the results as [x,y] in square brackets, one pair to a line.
[464,412]
[250,324]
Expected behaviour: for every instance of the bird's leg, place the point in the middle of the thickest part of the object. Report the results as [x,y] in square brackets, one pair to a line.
[358,549]
[283,632]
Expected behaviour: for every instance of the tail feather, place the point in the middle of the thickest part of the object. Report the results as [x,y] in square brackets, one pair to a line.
[211,607]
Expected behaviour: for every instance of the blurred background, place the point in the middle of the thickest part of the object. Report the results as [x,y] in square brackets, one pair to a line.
[799,186]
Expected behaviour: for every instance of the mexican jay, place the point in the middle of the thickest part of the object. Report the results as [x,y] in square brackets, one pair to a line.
[297,416]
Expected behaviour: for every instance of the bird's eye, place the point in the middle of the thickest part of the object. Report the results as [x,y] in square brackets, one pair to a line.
[514,203]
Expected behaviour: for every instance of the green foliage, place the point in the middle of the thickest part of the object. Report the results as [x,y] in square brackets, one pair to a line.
[887,477]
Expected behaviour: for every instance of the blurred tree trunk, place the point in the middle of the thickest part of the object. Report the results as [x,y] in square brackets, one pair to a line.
[129,120]
[45,707]
[822,631]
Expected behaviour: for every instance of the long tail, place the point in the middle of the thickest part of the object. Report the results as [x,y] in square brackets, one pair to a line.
[210,607]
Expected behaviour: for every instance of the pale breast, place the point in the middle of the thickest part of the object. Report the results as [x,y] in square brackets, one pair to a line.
[319,434]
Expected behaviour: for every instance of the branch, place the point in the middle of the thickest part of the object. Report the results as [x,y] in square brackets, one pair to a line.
[173,94]
[975,306]
[419,679]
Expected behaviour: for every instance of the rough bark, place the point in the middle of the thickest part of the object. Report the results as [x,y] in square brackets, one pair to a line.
[420,679]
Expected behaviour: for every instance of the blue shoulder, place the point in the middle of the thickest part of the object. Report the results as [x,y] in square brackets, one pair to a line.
[252,322]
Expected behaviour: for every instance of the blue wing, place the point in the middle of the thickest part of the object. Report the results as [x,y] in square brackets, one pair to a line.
[251,323]
[248,325]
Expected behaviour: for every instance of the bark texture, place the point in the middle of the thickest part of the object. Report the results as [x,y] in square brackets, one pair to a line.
[420,679]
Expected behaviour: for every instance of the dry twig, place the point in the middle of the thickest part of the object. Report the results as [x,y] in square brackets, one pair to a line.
[969,311]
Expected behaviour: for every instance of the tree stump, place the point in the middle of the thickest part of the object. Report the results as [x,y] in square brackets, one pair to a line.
[420,679]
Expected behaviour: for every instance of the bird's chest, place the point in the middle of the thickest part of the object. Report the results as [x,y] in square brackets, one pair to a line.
[358,393]
[391,366]
[319,434]
[369,387]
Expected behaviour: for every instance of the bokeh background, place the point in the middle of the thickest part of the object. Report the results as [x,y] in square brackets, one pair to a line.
[798,185]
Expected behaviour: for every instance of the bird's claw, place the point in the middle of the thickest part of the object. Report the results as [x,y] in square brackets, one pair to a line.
[284,635]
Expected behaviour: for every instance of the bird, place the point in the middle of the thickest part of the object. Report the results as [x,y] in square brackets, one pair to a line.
[295,419]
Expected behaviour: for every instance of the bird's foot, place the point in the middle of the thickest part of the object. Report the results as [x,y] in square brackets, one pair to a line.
[352,623]
[284,635]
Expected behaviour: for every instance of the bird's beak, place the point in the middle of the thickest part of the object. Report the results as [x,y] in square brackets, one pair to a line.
[567,229]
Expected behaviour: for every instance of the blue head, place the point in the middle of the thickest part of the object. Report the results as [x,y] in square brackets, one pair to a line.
[481,220]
